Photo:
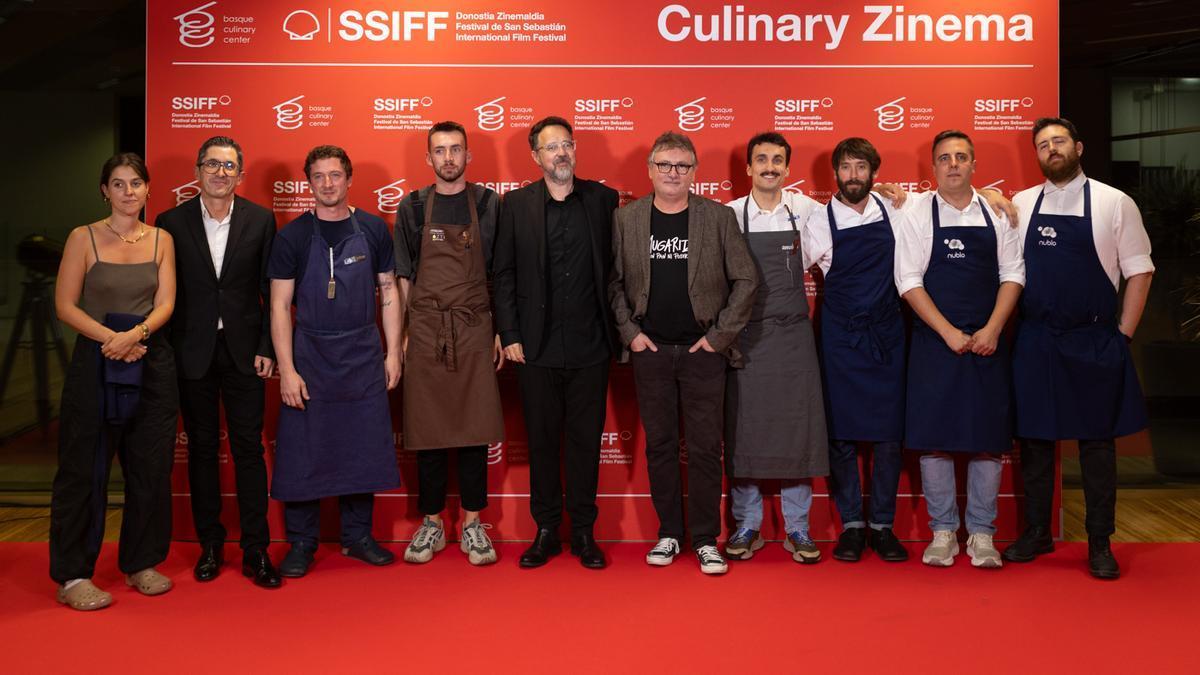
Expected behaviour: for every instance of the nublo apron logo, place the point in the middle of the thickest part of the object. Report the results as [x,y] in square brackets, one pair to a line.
[1048,236]
[956,246]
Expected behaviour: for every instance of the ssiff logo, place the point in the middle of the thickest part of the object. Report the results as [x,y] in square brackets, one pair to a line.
[186,191]
[491,115]
[891,115]
[301,25]
[289,115]
[1049,235]
[389,197]
[955,245]
[196,27]
[691,115]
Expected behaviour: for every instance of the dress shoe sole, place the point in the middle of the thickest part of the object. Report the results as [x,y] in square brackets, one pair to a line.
[205,577]
[378,562]
[289,574]
[847,557]
[1107,575]
[1014,557]
[590,564]
[253,575]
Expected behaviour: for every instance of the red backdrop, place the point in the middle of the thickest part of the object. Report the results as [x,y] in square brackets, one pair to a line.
[281,77]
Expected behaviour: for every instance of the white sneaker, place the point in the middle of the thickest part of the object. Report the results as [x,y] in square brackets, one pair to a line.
[426,541]
[941,551]
[664,552]
[477,545]
[982,551]
[711,561]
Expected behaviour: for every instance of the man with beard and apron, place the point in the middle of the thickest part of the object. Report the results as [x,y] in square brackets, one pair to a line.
[774,411]
[443,238]
[961,271]
[335,427]
[1073,374]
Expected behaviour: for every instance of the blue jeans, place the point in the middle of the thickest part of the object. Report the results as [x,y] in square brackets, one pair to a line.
[302,519]
[983,486]
[796,496]
[846,487]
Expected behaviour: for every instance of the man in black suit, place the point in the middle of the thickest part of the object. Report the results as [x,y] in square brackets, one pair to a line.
[222,341]
[551,262]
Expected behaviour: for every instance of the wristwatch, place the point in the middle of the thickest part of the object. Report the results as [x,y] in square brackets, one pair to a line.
[145,331]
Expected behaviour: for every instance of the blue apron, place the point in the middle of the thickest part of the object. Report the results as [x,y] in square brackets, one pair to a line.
[959,402]
[1073,374]
[862,334]
[341,443]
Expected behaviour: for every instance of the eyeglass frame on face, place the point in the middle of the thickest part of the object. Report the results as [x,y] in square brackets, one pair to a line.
[680,169]
[553,148]
[230,167]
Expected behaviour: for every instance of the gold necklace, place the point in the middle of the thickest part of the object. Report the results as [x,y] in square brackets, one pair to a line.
[141,232]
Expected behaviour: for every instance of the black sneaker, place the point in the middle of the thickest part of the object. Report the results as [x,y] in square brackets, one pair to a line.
[369,551]
[1034,541]
[889,548]
[1101,562]
[850,544]
[297,561]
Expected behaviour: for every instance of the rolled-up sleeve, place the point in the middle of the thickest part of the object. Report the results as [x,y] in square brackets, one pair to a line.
[1133,244]
[913,248]
[1009,251]
[817,241]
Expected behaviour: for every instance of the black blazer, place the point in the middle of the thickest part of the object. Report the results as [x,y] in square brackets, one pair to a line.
[241,295]
[520,260]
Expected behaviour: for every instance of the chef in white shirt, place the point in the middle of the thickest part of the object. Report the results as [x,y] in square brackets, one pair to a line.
[1073,375]
[960,269]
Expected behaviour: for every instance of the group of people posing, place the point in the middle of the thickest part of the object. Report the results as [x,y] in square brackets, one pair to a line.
[707,301]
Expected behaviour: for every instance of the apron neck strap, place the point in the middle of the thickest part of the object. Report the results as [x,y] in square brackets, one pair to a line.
[470,204]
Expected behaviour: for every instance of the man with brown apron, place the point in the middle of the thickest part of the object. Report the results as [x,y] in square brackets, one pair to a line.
[335,427]
[774,411]
[443,239]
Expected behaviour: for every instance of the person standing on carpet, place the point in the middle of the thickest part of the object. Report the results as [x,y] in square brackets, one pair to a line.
[552,263]
[116,287]
[961,271]
[335,425]
[221,332]
[774,412]
[443,238]
[682,288]
[1072,370]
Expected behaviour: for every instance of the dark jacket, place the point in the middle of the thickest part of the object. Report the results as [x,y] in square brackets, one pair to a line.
[240,297]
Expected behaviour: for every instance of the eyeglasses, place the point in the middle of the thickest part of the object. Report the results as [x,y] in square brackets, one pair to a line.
[552,148]
[215,165]
[681,169]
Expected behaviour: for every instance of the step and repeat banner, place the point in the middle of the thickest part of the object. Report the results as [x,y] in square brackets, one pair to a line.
[281,76]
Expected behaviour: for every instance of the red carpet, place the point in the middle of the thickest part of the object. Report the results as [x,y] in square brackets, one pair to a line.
[766,615]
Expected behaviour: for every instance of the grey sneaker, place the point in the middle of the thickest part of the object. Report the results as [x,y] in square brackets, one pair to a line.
[982,551]
[711,561]
[941,551]
[429,539]
[664,552]
[477,545]
[743,543]
[802,548]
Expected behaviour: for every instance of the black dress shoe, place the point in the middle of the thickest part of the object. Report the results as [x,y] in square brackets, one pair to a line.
[297,561]
[544,547]
[1034,541]
[590,556]
[889,548]
[850,544]
[209,564]
[369,551]
[256,565]
[1101,562]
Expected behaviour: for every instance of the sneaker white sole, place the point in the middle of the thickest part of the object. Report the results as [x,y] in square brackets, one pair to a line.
[940,562]
[714,569]
[744,553]
[803,557]
[425,556]
[987,561]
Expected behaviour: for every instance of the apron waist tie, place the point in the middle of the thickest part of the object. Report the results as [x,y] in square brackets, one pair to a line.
[864,325]
[1058,329]
[447,336]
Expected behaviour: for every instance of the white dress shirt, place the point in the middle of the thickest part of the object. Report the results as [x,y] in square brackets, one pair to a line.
[776,220]
[1117,230]
[914,245]
[818,240]
[217,233]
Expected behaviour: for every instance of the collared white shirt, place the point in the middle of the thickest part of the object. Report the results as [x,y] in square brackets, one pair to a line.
[217,233]
[914,245]
[1122,244]
[776,220]
[818,240]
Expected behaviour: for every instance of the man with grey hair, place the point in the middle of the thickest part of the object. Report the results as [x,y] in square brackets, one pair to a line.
[682,288]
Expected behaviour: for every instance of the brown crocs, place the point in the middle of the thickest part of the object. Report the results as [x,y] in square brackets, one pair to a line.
[84,596]
[148,582]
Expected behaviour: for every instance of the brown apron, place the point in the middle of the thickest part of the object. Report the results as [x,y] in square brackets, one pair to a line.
[451,398]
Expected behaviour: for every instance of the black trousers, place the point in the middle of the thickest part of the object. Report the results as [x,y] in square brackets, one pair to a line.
[564,408]
[303,519]
[243,396]
[1097,463]
[433,474]
[670,382]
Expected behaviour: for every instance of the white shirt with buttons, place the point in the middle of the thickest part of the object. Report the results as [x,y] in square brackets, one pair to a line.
[776,220]
[818,240]
[217,233]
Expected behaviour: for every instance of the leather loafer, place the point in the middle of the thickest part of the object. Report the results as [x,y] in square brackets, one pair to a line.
[850,544]
[545,546]
[209,564]
[297,561]
[256,565]
[590,555]
[887,546]
[1034,541]
[1101,562]
[369,551]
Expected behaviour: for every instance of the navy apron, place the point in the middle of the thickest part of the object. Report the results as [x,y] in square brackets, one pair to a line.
[862,334]
[959,402]
[1073,374]
[341,443]
[774,412]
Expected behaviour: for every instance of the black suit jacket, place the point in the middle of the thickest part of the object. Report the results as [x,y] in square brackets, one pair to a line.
[520,260]
[240,296]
